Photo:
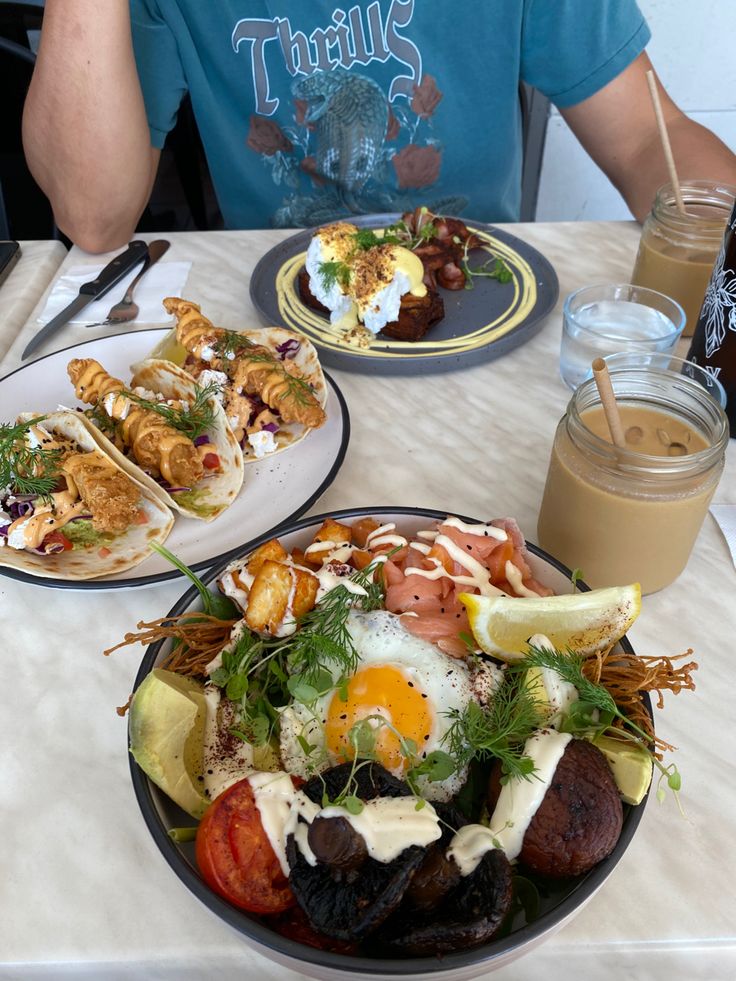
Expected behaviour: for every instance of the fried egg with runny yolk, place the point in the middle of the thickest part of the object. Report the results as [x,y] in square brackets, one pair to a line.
[400,678]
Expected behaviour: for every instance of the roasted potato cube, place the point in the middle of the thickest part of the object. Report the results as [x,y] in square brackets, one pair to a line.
[279,592]
[362,529]
[298,557]
[272,549]
[333,531]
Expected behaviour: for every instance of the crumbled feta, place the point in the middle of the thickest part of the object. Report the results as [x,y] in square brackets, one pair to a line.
[16,538]
[146,393]
[116,406]
[262,443]
[207,354]
[210,377]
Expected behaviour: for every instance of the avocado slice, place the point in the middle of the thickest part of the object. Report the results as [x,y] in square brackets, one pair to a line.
[632,767]
[167,721]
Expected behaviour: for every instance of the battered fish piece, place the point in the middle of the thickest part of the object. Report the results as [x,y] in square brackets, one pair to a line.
[112,497]
[251,368]
[154,444]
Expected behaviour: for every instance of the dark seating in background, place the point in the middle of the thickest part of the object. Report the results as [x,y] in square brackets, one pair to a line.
[534,116]
[24,209]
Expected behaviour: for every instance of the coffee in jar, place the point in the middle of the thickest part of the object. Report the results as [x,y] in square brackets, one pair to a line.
[632,513]
[677,251]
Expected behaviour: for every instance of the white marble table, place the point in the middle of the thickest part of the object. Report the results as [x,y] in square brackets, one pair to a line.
[25,284]
[84,891]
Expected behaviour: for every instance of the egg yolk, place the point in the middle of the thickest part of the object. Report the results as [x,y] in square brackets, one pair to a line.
[382,691]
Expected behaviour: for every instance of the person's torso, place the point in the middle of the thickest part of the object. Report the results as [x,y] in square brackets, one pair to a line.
[311,111]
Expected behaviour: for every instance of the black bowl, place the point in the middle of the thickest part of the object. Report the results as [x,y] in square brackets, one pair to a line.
[559,902]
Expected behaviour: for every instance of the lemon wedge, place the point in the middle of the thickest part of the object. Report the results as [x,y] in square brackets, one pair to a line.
[585,622]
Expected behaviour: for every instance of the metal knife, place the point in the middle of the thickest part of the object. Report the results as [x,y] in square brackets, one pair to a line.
[96,288]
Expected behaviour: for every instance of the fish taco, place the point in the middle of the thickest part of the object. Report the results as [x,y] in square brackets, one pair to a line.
[272,386]
[68,510]
[169,430]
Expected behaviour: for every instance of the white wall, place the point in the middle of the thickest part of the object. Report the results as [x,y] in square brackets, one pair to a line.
[692,49]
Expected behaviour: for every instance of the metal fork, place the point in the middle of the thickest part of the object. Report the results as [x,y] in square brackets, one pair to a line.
[126,310]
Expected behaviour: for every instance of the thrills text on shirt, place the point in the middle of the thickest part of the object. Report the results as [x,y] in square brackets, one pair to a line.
[346,42]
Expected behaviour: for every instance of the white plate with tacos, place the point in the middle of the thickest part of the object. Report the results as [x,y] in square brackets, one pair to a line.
[222,506]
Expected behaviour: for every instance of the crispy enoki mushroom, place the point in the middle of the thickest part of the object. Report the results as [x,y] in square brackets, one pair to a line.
[626,676]
[154,444]
[253,369]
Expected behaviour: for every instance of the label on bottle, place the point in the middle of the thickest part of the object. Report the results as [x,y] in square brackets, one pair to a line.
[714,340]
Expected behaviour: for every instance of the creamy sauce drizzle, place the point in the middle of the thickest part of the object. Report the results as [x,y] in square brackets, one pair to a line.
[560,693]
[514,579]
[519,799]
[388,824]
[382,536]
[469,845]
[483,531]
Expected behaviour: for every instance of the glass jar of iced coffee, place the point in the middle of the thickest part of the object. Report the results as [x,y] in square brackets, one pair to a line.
[677,251]
[632,514]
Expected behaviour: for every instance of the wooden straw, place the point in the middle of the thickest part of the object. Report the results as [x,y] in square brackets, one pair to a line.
[608,399]
[664,137]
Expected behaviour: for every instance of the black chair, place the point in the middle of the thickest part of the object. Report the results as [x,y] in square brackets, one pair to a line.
[534,116]
[25,212]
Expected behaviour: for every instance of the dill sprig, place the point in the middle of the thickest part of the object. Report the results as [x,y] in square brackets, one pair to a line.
[334,272]
[195,418]
[297,388]
[581,718]
[498,730]
[231,344]
[26,469]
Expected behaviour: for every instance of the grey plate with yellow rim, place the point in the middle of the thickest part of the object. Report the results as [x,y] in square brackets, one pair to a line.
[479,324]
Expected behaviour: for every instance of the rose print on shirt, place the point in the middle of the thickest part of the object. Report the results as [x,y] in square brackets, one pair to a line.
[265,136]
[417,166]
[426,97]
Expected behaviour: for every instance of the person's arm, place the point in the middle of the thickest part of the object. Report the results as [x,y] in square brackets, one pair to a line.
[85,131]
[618,129]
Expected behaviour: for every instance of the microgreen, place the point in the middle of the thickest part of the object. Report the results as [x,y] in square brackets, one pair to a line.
[263,674]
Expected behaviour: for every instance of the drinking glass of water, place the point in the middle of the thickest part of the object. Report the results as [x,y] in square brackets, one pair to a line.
[602,320]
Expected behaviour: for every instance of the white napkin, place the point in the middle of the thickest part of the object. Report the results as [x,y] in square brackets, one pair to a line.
[725,515]
[163,279]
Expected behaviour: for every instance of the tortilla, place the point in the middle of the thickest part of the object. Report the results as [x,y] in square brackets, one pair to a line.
[305,359]
[119,552]
[216,491]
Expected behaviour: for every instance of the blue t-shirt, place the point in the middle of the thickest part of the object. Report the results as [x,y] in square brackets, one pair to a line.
[310,111]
